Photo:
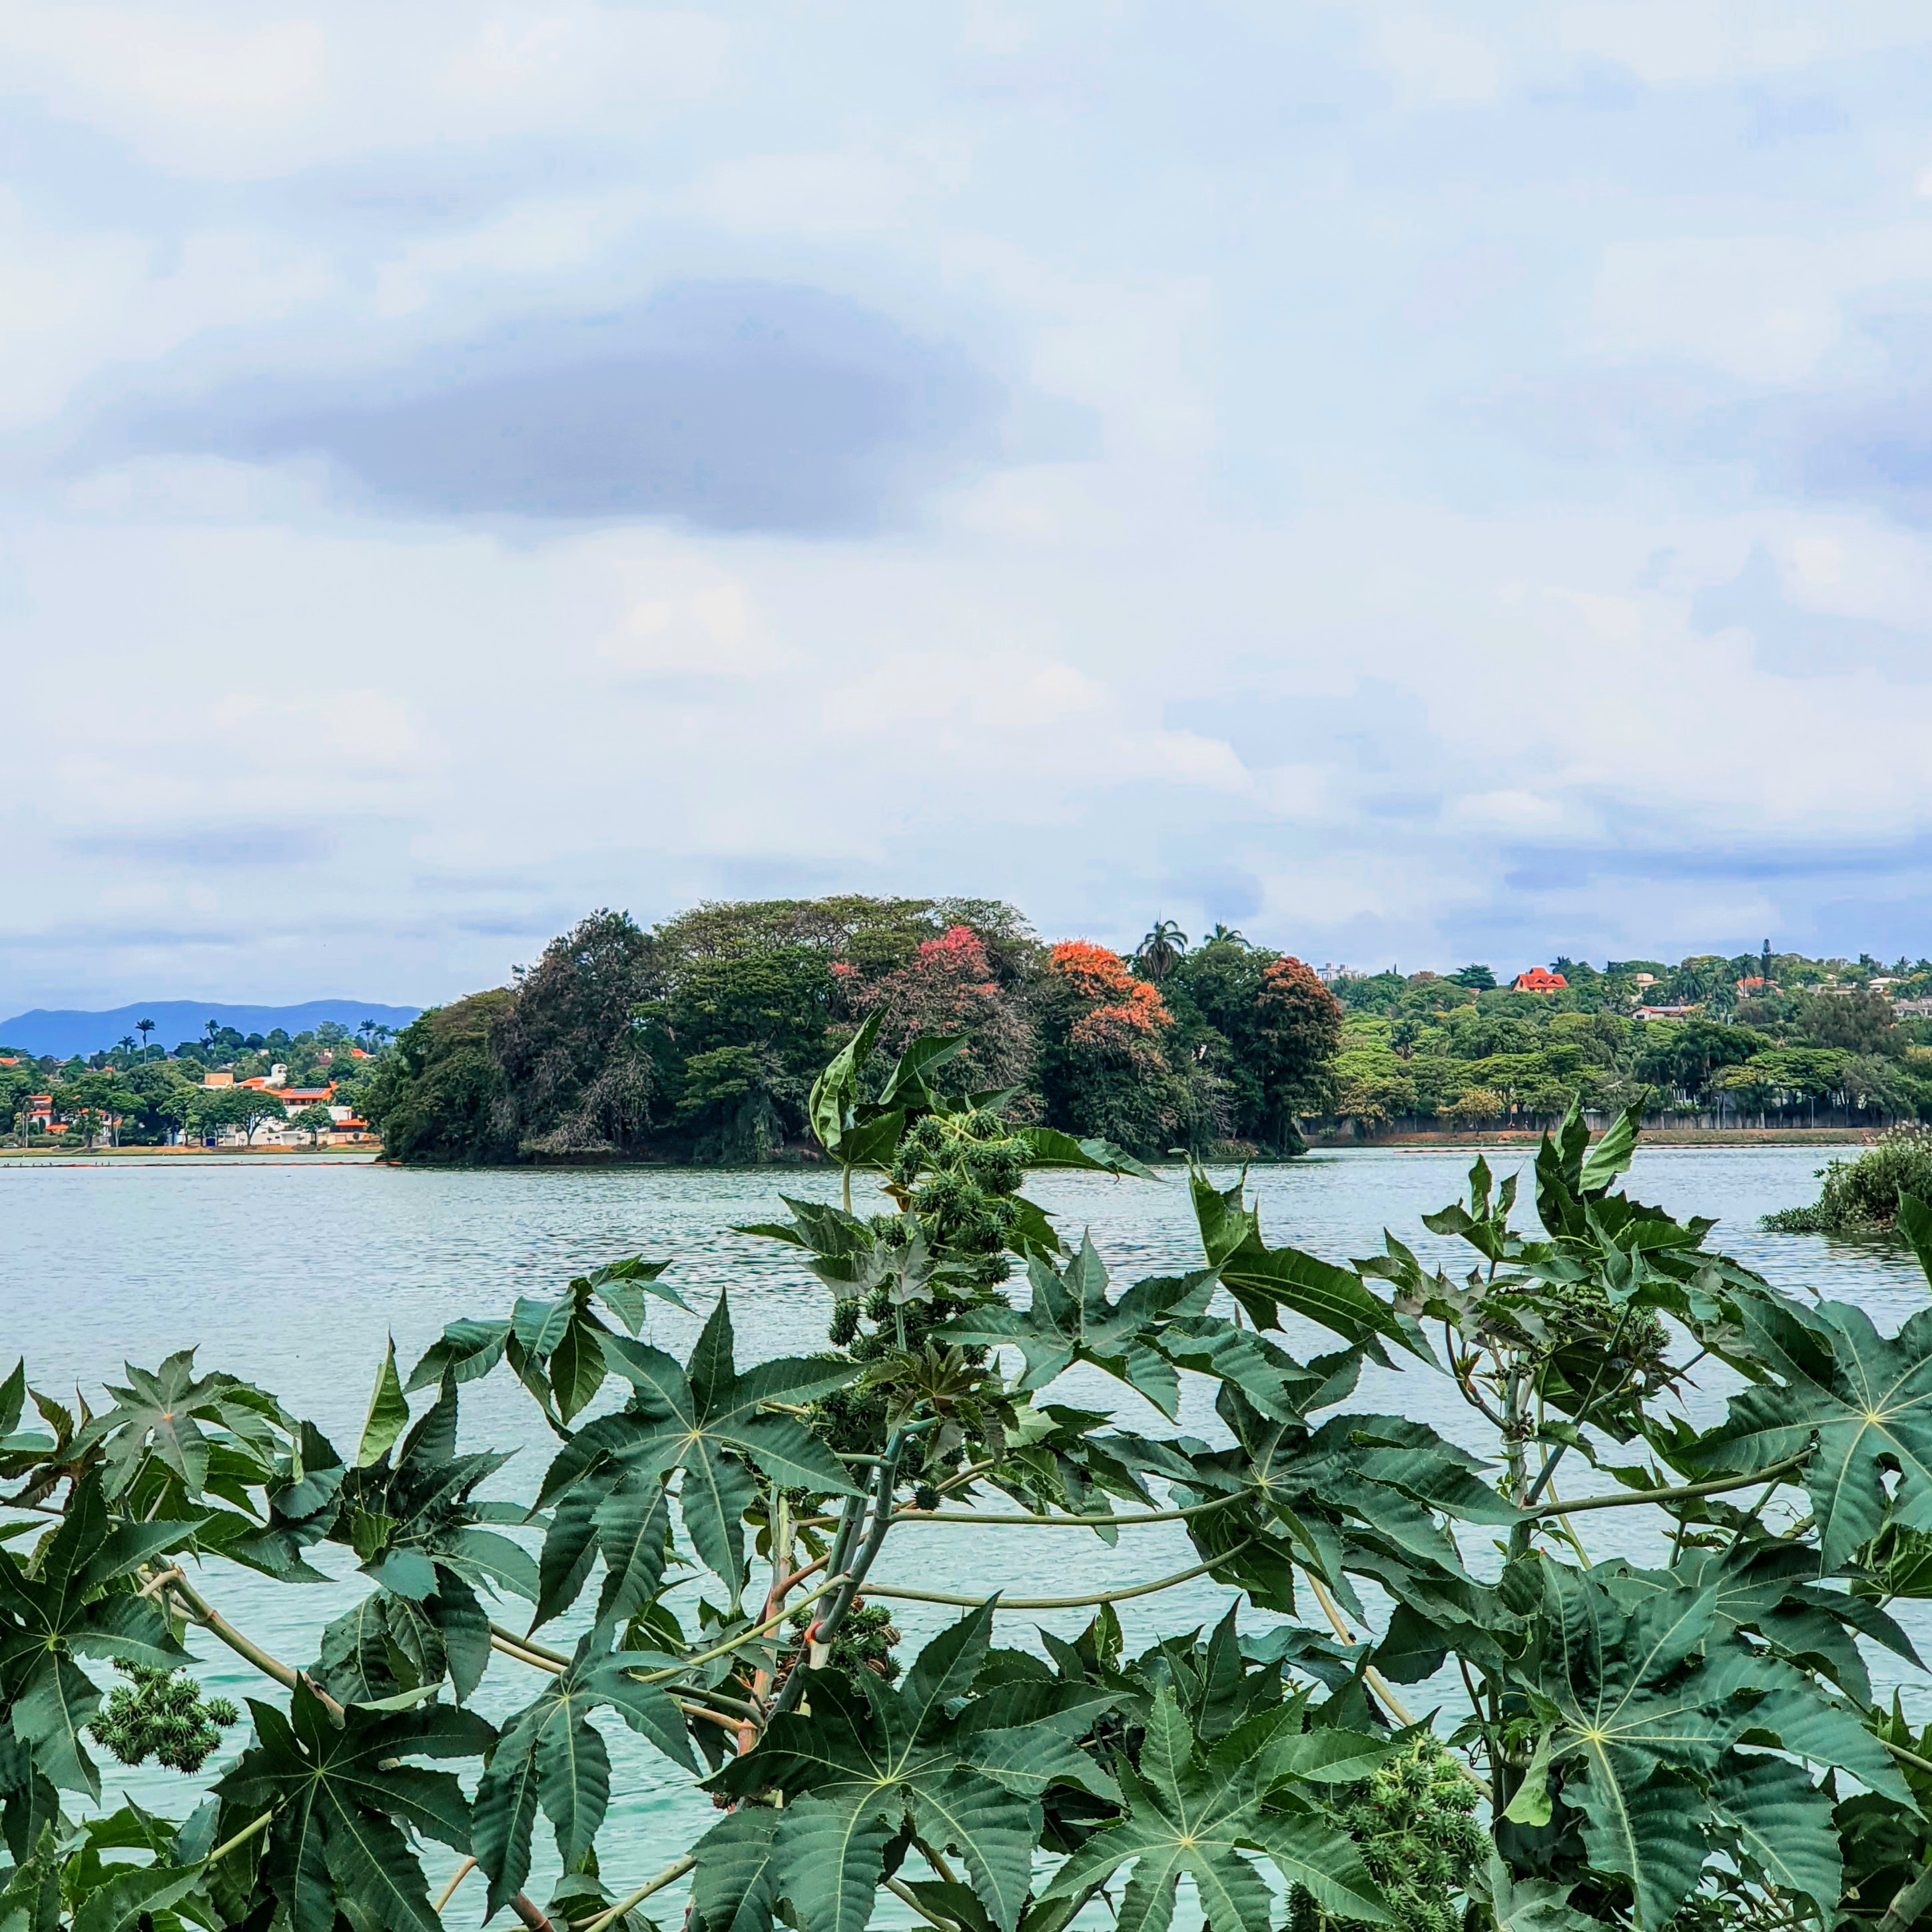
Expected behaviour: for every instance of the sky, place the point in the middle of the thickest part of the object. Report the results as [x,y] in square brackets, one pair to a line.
[1415,483]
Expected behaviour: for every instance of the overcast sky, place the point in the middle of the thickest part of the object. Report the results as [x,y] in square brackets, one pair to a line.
[1416,483]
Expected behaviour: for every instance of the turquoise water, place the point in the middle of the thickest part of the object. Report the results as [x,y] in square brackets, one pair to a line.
[289,1273]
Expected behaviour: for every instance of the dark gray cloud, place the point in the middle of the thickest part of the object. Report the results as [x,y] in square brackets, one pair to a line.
[730,405]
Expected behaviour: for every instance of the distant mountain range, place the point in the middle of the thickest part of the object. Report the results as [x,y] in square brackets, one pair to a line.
[67,1033]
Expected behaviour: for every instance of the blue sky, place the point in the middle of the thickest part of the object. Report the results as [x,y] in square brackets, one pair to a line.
[1419,483]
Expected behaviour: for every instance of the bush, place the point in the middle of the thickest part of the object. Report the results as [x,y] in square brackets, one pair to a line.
[1860,1196]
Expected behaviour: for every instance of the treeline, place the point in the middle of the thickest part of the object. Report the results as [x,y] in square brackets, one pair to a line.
[699,1039]
[144,1095]
[1804,1041]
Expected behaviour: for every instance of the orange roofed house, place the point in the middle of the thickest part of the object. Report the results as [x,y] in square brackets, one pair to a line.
[1538,980]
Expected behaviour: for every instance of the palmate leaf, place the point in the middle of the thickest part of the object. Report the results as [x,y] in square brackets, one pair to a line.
[1870,1400]
[1266,1281]
[1781,1827]
[835,1093]
[1772,1588]
[1048,1147]
[340,1796]
[550,1756]
[388,1413]
[1070,1320]
[553,1346]
[1647,1696]
[388,1644]
[734,1887]
[706,1428]
[414,1521]
[59,1612]
[165,1413]
[1203,1816]
[130,1900]
[867,1760]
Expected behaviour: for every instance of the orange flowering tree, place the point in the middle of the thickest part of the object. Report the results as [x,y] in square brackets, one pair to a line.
[1103,1064]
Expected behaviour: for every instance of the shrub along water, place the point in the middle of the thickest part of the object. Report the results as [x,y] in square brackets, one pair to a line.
[1860,1196]
[1695,1740]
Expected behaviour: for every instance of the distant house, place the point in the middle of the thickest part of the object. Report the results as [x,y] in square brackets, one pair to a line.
[1912,1009]
[218,1080]
[295,1099]
[1538,979]
[1750,989]
[1664,1012]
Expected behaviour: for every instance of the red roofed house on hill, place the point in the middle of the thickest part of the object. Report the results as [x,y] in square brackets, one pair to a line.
[1538,980]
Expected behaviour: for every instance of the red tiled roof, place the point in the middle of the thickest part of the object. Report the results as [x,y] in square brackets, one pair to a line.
[1538,979]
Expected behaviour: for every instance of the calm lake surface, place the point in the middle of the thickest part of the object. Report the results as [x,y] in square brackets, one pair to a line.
[290,1274]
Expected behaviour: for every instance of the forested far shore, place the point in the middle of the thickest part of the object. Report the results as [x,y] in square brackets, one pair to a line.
[225,1088]
[697,1040]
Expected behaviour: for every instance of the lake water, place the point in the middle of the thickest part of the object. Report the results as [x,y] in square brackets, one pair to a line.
[289,1273]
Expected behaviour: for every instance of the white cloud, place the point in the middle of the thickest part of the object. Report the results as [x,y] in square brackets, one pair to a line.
[1239,590]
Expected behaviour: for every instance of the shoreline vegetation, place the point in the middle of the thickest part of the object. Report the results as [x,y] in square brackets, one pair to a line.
[1864,1196]
[1319,1142]
[694,1042]
[1700,1743]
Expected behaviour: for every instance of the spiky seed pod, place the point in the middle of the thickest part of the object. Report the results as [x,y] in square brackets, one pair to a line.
[1413,1818]
[161,1713]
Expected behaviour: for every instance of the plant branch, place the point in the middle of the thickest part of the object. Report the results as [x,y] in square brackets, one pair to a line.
[670,1875]
[529,1644]
[906,1895]
[1907,1903]
[1910,1757]
[449,1892]
[242,1836]
[200,1611]
[1688,1492]
[1376,1681]
[1058,1603]
[737,1642]
[978,1520]
[748,1713]
[531,1913]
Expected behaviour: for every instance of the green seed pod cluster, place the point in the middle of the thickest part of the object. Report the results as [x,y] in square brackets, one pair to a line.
[961,1171]
[1580,1310]
[162,1714]
[1413,1817]
[865,1640]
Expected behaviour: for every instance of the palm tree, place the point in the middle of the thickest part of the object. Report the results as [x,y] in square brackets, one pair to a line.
[1161,951]
[1225,935]
[144,1027]
[126,1043]
[365,1032]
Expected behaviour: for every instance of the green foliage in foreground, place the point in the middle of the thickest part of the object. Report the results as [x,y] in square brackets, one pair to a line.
[1693,1743]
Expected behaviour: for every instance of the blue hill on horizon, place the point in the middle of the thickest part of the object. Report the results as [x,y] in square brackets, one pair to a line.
[67,1032]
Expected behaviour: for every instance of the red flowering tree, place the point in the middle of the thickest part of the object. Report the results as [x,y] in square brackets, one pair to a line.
[1297,1031]
[948,987]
